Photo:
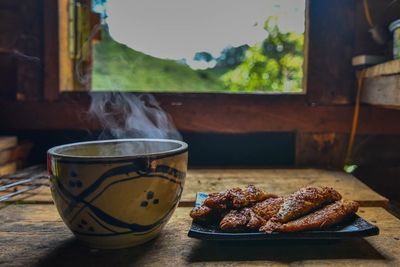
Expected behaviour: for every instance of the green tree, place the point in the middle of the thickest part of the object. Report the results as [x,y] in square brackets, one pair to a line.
[274,65]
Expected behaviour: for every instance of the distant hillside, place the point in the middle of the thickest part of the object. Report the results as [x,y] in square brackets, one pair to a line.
[118,67]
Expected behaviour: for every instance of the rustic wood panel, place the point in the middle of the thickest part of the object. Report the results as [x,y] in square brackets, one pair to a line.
[383,91]
[389,68]
[377,151]
[211,113]
[18,153]
[51,66]
[35,235]
[278,181]
[382,179]
[21,41]
[66,63]
[8,76]
[330,77]
[321,149]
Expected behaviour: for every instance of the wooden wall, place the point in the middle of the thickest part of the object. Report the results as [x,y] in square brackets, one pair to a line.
[316,124]
[21,49]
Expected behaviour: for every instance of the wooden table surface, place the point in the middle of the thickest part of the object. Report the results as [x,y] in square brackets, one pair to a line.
[35,235]
[278,181]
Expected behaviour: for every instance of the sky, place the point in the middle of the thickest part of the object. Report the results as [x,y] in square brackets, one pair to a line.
[177,29]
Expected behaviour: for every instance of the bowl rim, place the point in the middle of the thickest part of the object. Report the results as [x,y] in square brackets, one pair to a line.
[52,152]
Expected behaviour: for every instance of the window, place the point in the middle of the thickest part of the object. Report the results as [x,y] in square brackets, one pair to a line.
[199,46]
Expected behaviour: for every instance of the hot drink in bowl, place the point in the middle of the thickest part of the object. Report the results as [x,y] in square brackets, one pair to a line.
[117,193]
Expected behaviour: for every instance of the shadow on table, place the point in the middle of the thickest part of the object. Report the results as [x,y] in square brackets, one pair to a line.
[162,252]
[73,253]
[283,250]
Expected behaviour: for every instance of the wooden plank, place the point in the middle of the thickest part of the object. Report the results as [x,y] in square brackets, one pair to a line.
[35,235]
[219,113]
[41,194]
[18,153]
[51,68]
[326,150]
[376,151]
[383,91]
[7,142]
[388,68]
[8,168]
[330,77]
[278,181]
[382,179]
[67,80]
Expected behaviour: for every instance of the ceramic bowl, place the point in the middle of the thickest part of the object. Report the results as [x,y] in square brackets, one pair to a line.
[117,193]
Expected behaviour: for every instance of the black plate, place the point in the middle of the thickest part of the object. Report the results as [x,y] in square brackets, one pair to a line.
[353,227]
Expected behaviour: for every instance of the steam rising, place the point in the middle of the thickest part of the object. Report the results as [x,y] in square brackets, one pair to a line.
[129,116]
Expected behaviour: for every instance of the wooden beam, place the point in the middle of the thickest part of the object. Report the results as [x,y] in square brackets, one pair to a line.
[211,113]
[327,150]
[51,71]
[383,91]
[388,68]
[330,75]
[66,62]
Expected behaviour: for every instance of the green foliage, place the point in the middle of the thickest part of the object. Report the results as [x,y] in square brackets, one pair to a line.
[274,65]
[118,67]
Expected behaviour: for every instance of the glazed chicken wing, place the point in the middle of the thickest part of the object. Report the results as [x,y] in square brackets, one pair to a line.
[301,203]
[251,218]
[304,201]
[241,219]
[216,205]
[236,198]
[202,213]
[322,218]
[267,208]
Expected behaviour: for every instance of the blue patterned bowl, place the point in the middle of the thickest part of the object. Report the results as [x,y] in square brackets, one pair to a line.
[117,193]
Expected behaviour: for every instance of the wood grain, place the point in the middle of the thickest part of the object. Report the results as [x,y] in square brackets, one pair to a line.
[278,181]
[8,168]
[7,142]
[321,150]
[388,68]
[51,66]
[382,91]
[210,113]
[66,62]
[330,77]
[35,235]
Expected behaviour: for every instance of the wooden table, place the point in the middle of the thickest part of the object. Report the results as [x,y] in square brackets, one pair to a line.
[35,235]
[278,181]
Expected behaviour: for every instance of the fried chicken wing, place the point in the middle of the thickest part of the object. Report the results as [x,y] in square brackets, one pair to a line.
[327,216]
[268,208]
[202,213]
[216,205]
[242,219]
[235,220]
[236,198]
[301,203]
[304,201]
[251,218]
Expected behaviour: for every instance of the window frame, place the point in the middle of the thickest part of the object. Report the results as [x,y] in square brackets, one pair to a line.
[325,86]
[325,111]
[321,86]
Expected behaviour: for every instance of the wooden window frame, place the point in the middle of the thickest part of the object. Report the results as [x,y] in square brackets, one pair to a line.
[326,106]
